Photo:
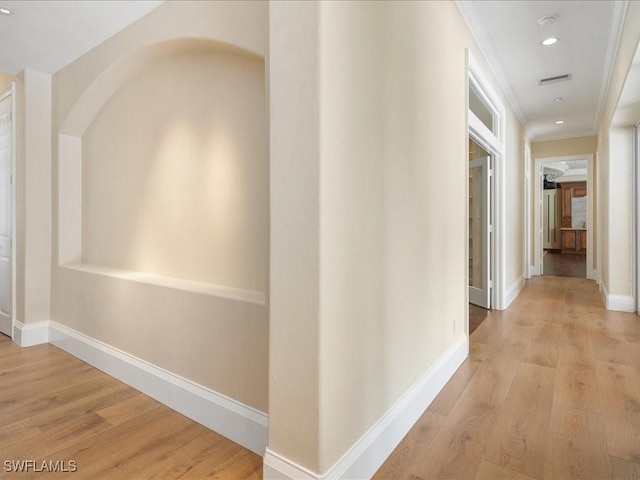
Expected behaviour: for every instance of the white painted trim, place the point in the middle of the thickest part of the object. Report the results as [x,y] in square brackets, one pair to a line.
[277,467]
[620,303]
[236,421]
[615,34]
[616,303]
[484,42]
[532,271]
[10,90]
[495,145]
[513,291]
[526,230]
[366,456]
[636,214]
[30,334]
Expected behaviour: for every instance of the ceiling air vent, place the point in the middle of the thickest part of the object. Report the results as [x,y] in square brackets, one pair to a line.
[559,78]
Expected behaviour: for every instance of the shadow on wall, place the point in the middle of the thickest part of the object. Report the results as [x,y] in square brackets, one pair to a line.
[174,173]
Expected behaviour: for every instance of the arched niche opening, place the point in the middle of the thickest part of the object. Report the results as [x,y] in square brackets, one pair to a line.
[163,171]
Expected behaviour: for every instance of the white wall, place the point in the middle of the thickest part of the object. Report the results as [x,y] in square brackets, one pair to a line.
[294,326]
[34,203]
[357,148]
[392,254]
[614,186]
[514,203]
[620,212]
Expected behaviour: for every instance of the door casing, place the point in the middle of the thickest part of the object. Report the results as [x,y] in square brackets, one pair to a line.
[10,92]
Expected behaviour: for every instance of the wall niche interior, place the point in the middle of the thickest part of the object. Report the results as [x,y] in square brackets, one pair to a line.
[175,172]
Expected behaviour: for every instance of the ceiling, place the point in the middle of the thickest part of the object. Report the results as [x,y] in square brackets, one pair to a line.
[572,169]
[48,35]
[510,37]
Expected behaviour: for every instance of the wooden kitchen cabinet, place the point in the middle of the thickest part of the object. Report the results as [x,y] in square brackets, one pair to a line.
[574,241]
[569,191]
[568,241]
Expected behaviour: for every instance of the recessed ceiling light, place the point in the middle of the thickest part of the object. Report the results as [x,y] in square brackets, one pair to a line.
[558,99]
[549,41]
[546,20]
[5,11]
[559,122]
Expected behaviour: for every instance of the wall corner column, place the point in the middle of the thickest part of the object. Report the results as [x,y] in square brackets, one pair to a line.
[293,447]
[33,209]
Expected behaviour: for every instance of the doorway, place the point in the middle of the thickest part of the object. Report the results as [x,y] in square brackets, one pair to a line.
[7,140]
[479,225]
[564,219]
[563,216]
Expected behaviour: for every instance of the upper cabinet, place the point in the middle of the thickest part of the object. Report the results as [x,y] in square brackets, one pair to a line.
[570,191]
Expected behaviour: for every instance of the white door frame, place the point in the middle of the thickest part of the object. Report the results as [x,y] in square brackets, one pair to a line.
[636,221]
[494,144]
[537,210]
[482,296]
[527,210]
[10,90]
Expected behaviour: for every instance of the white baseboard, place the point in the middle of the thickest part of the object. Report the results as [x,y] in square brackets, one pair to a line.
[533,271]
[30,334]
[620,303]
[617,303]
[236,421]
[366,456]
[513,291]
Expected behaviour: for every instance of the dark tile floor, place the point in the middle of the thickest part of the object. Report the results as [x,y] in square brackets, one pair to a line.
[558,264]
[476,316]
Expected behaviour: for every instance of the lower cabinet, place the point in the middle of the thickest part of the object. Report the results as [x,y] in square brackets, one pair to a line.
[574,241]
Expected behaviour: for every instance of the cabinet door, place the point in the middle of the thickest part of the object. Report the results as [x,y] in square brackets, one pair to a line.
[580,192]
[565,219]
[579,189]
[583,240]
[569,240]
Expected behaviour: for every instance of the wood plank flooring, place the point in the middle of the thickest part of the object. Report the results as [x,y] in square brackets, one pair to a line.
[551,390]
[56,408]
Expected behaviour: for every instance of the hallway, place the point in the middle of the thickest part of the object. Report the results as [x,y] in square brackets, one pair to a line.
[551,389]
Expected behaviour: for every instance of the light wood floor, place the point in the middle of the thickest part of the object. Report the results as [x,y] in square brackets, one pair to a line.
[551,389]
[54,407]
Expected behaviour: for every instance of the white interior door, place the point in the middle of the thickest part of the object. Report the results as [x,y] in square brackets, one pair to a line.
[479,233]
[550,220]
[6,215]
[636,173]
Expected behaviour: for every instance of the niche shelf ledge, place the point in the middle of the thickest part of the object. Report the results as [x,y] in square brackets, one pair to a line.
[231,293]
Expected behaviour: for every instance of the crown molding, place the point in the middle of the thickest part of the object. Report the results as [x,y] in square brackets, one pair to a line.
[487,49]
[615,34]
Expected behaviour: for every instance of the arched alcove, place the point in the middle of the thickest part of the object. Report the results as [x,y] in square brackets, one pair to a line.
[163,174]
